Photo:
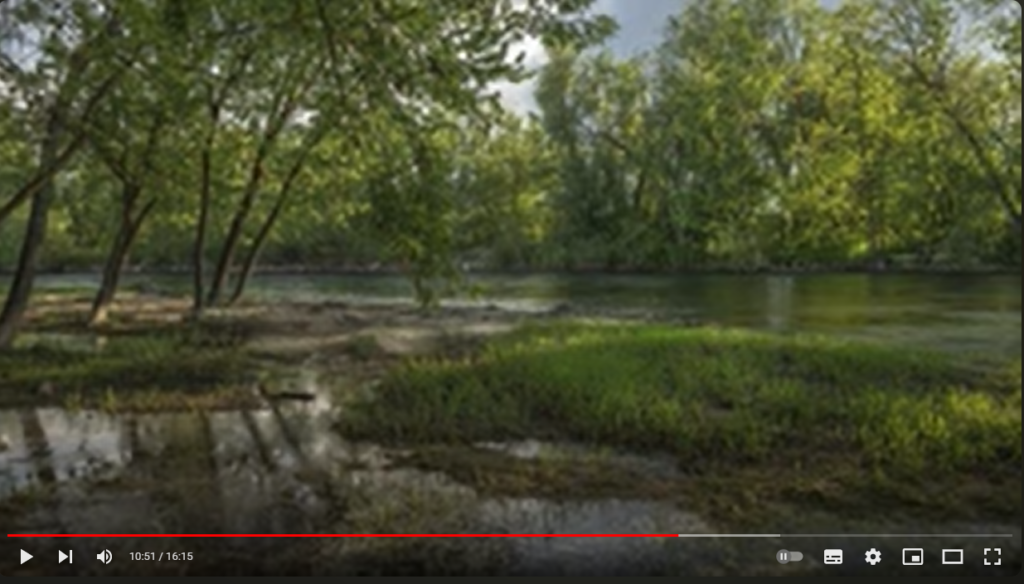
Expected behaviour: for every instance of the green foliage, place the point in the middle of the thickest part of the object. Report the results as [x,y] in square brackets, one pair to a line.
[219,113]
[150,372]
[711,396]
[757,134]
[780,133]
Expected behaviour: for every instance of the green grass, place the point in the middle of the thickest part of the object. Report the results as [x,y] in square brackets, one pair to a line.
[738,408]
[152,372]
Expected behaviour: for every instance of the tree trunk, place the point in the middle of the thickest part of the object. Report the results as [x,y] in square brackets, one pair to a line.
[997,182]
[111,276]
[32,244]
[57,161]
[41,178]
[284,104]
[215,101]
[257,246]
[118,257]
[227,254]
[285,190]
[199,245]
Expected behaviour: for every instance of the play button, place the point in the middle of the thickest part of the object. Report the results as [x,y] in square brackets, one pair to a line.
[25,556]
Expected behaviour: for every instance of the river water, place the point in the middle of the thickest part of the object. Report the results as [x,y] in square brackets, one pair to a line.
[285,470]
[960,312]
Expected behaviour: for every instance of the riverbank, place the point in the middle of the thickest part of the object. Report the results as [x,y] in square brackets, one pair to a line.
[382,418]
[151,356]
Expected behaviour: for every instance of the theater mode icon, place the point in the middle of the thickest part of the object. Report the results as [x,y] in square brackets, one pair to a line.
[833,556]
[952,556]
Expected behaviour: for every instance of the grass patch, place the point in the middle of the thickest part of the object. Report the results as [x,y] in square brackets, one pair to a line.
[757,417]
[365,347]
[143,372]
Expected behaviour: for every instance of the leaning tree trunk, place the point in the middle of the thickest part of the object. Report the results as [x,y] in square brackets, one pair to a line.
[249,264]
[257,247]
[284,106]
[32,244]
[227,255]
[118,257]
[41,179]
[56,160]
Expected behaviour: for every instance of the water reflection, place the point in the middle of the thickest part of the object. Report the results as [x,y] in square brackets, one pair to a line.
[286,471]
[266,472]
[779,303]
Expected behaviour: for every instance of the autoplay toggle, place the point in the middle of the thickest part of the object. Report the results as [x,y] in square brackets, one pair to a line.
[786,556]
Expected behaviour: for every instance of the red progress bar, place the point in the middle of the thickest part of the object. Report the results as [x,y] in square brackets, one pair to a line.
[342,535]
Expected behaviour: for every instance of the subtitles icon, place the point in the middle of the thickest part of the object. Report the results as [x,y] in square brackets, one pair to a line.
[952,556]
[833,556]
[913,556]
[105,556]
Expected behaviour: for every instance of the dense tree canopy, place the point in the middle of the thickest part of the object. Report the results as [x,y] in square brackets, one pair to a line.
[215,135]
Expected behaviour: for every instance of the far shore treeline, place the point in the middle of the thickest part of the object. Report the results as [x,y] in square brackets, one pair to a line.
[218,138]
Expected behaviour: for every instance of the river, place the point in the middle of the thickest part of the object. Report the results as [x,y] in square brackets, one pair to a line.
[960,312]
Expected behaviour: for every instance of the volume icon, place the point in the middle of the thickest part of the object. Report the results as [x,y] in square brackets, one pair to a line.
[104,556]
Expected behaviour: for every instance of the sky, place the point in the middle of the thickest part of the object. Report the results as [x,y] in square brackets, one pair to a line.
[641,23]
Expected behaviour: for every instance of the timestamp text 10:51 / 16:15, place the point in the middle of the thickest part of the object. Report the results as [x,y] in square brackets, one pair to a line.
[155,556]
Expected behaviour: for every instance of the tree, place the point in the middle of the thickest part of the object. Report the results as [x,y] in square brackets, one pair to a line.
[80,58]
[923,34]
[131,156]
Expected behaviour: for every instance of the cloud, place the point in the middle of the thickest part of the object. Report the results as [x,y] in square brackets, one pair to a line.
[518,97]
[640,27]
[641,22]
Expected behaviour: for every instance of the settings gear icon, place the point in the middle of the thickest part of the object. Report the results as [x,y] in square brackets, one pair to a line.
[873,556]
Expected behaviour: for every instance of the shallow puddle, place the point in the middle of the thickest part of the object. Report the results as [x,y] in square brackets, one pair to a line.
[286,470]
[658,466]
